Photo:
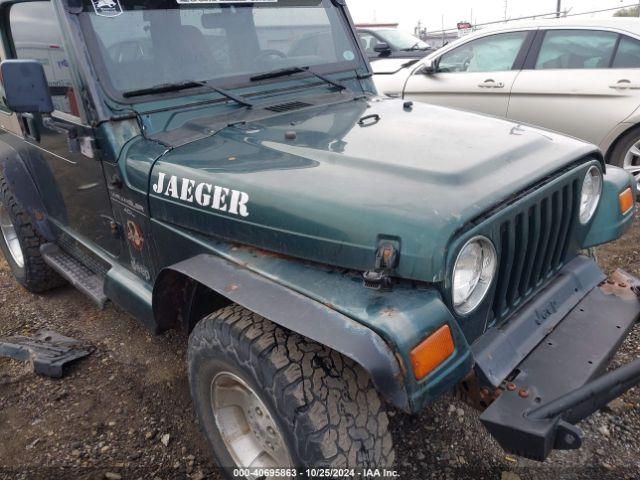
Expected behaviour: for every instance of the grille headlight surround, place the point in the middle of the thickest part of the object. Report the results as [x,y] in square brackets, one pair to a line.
[473,273]
[590,194]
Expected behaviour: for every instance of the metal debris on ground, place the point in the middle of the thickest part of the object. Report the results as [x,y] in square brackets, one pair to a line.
[48,352]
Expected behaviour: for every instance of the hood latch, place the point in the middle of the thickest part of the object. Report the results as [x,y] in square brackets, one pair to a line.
[380,278]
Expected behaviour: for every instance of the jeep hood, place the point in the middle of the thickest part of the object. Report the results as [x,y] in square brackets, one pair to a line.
[327,184]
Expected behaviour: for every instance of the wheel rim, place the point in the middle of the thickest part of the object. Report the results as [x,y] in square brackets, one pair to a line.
[11,237]
[246,425]
[632,162]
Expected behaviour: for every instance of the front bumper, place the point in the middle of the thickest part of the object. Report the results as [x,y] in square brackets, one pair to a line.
[562,380]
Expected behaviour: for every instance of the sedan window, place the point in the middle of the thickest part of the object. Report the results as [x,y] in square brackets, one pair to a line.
[575,49]
[368,41]
[628,55]
[496,53]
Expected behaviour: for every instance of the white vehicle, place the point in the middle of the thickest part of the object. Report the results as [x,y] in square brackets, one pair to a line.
[578,77]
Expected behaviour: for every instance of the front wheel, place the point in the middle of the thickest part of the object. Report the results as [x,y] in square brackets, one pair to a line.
[20,242]
[269,398]
[626,154]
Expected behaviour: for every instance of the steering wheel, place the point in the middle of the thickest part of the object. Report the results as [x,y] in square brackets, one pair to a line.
[267,54]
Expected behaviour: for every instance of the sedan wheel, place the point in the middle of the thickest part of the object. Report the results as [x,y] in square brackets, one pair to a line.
[631,162]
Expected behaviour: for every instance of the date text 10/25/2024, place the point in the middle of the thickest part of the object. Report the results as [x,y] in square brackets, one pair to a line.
[315,473]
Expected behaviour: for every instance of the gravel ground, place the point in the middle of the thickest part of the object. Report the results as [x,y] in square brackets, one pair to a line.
[125,411]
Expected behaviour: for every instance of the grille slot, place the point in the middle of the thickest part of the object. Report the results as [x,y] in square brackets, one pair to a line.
[533,245]
[287,107]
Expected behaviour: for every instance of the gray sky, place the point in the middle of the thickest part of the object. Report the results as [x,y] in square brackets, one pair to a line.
[408,12]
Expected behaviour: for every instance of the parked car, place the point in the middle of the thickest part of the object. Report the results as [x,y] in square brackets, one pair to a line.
[330,253]
[391,43]
[579,77]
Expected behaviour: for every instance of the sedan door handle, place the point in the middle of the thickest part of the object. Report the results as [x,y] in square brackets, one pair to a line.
[490,83]
[625,85]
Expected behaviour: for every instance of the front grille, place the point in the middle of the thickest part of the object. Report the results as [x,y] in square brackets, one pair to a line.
[533,243]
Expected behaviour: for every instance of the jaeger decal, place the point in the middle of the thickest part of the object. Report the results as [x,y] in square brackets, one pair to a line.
[204,194]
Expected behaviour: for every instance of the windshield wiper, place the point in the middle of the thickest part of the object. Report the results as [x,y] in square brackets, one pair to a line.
[232,96]
[415,47]
[184,85]
[163,88]
[287,72]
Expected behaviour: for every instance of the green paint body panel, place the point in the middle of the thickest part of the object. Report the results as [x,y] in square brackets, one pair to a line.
[318,187]
[330,195]
[402,318]
[609,223]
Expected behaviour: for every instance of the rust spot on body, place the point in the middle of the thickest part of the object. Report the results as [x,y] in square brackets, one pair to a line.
[388,312]
[403,369]
[622,285]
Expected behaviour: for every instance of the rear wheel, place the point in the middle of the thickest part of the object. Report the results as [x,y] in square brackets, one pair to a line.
[20,242]
[626,154]
[268,398]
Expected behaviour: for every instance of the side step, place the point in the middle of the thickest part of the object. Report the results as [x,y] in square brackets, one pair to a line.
[85,280]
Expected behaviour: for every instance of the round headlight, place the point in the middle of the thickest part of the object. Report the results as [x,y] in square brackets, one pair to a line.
[591,193]
[472,274]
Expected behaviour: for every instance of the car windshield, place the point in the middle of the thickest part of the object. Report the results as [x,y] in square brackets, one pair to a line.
[401,40]
[140,44]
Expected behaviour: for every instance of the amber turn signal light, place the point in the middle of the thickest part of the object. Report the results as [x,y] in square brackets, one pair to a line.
[427,356]
[626,201]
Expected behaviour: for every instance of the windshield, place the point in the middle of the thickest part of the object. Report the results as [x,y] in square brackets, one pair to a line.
[140,44]
[402,40]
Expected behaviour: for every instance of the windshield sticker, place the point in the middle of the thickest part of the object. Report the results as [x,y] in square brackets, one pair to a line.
[349,55]
[107,8]
[204,194]
[237,2]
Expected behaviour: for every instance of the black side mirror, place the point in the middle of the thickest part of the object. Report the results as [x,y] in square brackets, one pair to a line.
[428,67]
[25,86]
[382,48]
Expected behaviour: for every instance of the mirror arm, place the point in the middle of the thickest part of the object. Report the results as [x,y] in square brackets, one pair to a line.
[59,127]
[71,131]
[29,122]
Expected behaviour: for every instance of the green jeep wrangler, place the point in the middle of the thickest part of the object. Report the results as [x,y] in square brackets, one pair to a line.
[225,167]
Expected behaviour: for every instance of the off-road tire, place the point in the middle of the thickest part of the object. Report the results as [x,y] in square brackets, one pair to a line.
[325,405]
[36,276]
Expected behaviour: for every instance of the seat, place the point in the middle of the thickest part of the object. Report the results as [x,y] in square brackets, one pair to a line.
[191,56]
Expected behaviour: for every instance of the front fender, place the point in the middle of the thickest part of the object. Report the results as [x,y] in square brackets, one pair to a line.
[609,223]
[302,315]
[377,330]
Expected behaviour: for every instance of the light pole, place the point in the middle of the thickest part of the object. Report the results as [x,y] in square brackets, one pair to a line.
[559,9]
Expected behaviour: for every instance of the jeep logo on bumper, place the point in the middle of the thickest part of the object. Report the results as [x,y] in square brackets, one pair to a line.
[204,194]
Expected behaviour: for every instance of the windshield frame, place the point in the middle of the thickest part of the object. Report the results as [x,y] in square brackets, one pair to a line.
[360,62]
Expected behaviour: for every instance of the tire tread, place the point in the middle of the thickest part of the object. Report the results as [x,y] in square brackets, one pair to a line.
[326,400]
[39,277]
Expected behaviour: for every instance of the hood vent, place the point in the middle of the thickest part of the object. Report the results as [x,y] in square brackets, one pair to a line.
[287,107]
